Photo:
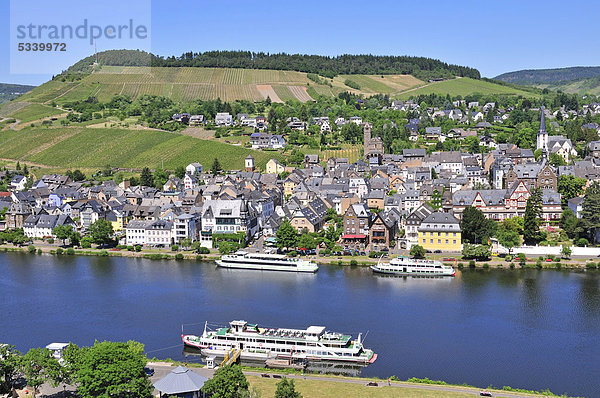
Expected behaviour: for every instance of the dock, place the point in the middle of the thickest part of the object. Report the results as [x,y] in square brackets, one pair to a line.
[231,357]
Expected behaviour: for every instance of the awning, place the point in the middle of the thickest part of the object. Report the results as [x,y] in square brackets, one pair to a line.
[358,236]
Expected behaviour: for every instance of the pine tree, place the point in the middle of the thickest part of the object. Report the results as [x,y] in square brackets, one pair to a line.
[533,217]
[216,166]
[146,178]
[591,210]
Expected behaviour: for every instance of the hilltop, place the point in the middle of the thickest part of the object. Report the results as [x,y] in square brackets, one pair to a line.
[574,80]
[9,92]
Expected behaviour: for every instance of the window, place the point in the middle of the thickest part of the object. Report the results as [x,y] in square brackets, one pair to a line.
[439,241]
[431,241]
[454,242]
[446,241]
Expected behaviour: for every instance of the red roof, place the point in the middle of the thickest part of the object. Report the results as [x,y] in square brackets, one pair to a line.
[360,236]
[4,194]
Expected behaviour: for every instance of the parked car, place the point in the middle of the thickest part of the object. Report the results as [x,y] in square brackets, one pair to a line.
[485,393]
[437,251]
[372,384]
[149,371]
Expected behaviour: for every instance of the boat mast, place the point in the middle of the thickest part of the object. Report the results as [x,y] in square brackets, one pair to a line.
[204,333]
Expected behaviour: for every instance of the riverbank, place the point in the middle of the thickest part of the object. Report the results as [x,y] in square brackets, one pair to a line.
[540,262]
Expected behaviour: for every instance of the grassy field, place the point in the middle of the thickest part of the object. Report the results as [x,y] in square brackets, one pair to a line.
[34,112]
[352,152]
[464,86]
[321,388]
[97,147]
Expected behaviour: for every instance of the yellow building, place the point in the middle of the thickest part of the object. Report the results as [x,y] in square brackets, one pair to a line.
[440,231]
[274,167]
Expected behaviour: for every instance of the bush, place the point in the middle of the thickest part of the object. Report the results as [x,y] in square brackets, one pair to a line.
[103,253]
[590,266]
[204,250]
[486,266]
[86,243]
[174,248]
[59,251]
[199,257]
[511,265]
[583,242]
[292,253]
[460,265]
[130,248]
[39,251]
[508,257]
[353,263]
[31,249]
[50,240]
[551,257]
[121,247]
[179,256]
[471,263]
[70,251]
[557,265]
[138,248]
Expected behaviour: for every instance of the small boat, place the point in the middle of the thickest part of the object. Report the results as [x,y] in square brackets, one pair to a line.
[406,266]
[266,262]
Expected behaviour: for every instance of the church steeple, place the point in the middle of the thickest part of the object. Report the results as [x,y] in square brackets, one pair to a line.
[542,136]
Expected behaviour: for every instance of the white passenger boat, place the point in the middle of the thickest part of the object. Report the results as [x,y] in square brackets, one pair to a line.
[310,344]
[412,267]
[266,262]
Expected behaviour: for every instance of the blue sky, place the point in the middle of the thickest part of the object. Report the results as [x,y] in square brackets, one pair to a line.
[494,36]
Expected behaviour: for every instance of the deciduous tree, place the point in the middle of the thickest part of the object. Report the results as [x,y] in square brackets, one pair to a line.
[533,218]
[286,389]
[228,381]
[417,251]
[287,237]
[101,231]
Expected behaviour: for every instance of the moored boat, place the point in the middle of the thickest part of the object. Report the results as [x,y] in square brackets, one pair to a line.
[311,344]
[402,265]
[266,262]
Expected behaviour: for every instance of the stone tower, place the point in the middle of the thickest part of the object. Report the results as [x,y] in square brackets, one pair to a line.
[249,162]
[367,136]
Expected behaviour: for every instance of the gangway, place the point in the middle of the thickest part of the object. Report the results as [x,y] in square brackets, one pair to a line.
[231,357]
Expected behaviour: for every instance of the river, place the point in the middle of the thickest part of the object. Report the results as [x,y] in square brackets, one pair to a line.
[524,328]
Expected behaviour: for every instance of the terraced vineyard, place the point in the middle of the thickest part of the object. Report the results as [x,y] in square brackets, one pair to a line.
[62,148]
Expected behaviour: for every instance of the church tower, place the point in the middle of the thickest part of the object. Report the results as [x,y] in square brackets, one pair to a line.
[367,136]
[542,136]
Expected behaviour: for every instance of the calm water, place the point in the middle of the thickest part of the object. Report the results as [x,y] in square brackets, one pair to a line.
[531,329]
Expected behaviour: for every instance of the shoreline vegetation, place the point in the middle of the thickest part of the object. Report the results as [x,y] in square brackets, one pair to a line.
[412,382]
[540,262]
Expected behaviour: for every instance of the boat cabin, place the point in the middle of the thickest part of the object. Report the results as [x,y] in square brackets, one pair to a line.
[314,332]
[57,349]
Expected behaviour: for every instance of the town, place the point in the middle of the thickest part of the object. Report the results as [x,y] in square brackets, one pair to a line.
[381,202]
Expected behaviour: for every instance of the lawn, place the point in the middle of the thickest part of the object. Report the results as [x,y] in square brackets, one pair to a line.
[319,389]
[464,86]
[97,147]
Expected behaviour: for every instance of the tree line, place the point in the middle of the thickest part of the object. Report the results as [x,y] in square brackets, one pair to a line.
[421,67]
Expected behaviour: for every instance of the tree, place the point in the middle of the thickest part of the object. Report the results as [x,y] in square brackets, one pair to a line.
[110,369]
[570,187]
[508,237]
[63,232]
[556,160]
[216,167]
[533,215]
[478,252]
[9,367]
[39,366]
[475,227]
[228,381]
[571,224]
[307,241]
[417,251]
[180,172]
[286,389]
[146,178]
[590,213]
[101,232]
[287,237]
[78,175]
[566,252]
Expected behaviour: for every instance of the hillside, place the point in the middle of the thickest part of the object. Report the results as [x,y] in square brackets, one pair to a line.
[549,76]
[464,87]
[229,84]
[61,148]
[9,92]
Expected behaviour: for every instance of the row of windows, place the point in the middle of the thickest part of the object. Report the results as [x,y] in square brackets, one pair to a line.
[439,234]
[439,241]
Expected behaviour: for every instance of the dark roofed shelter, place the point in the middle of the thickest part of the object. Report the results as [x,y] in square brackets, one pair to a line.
[181,382]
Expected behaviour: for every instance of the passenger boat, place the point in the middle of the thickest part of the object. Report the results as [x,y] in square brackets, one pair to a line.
[310,344]
[412,267]
[266,262]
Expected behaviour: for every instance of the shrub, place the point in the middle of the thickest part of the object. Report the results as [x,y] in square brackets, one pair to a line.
[199,257]
[86,244]
[471,263]
[70,251]
[353,262]
[130,248]
[486,266]
[59,251]
[103,253]
[204,250]
[511,265]
[460,265]
[174,248]
[138,248]
[508,257]
[50,240]
[179,256]
[541,258]
[39,251]
[557,265]
[292,253]
[551,257]
[538,264]
[31,249]
[583,242]
[590,266]
[121,247]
